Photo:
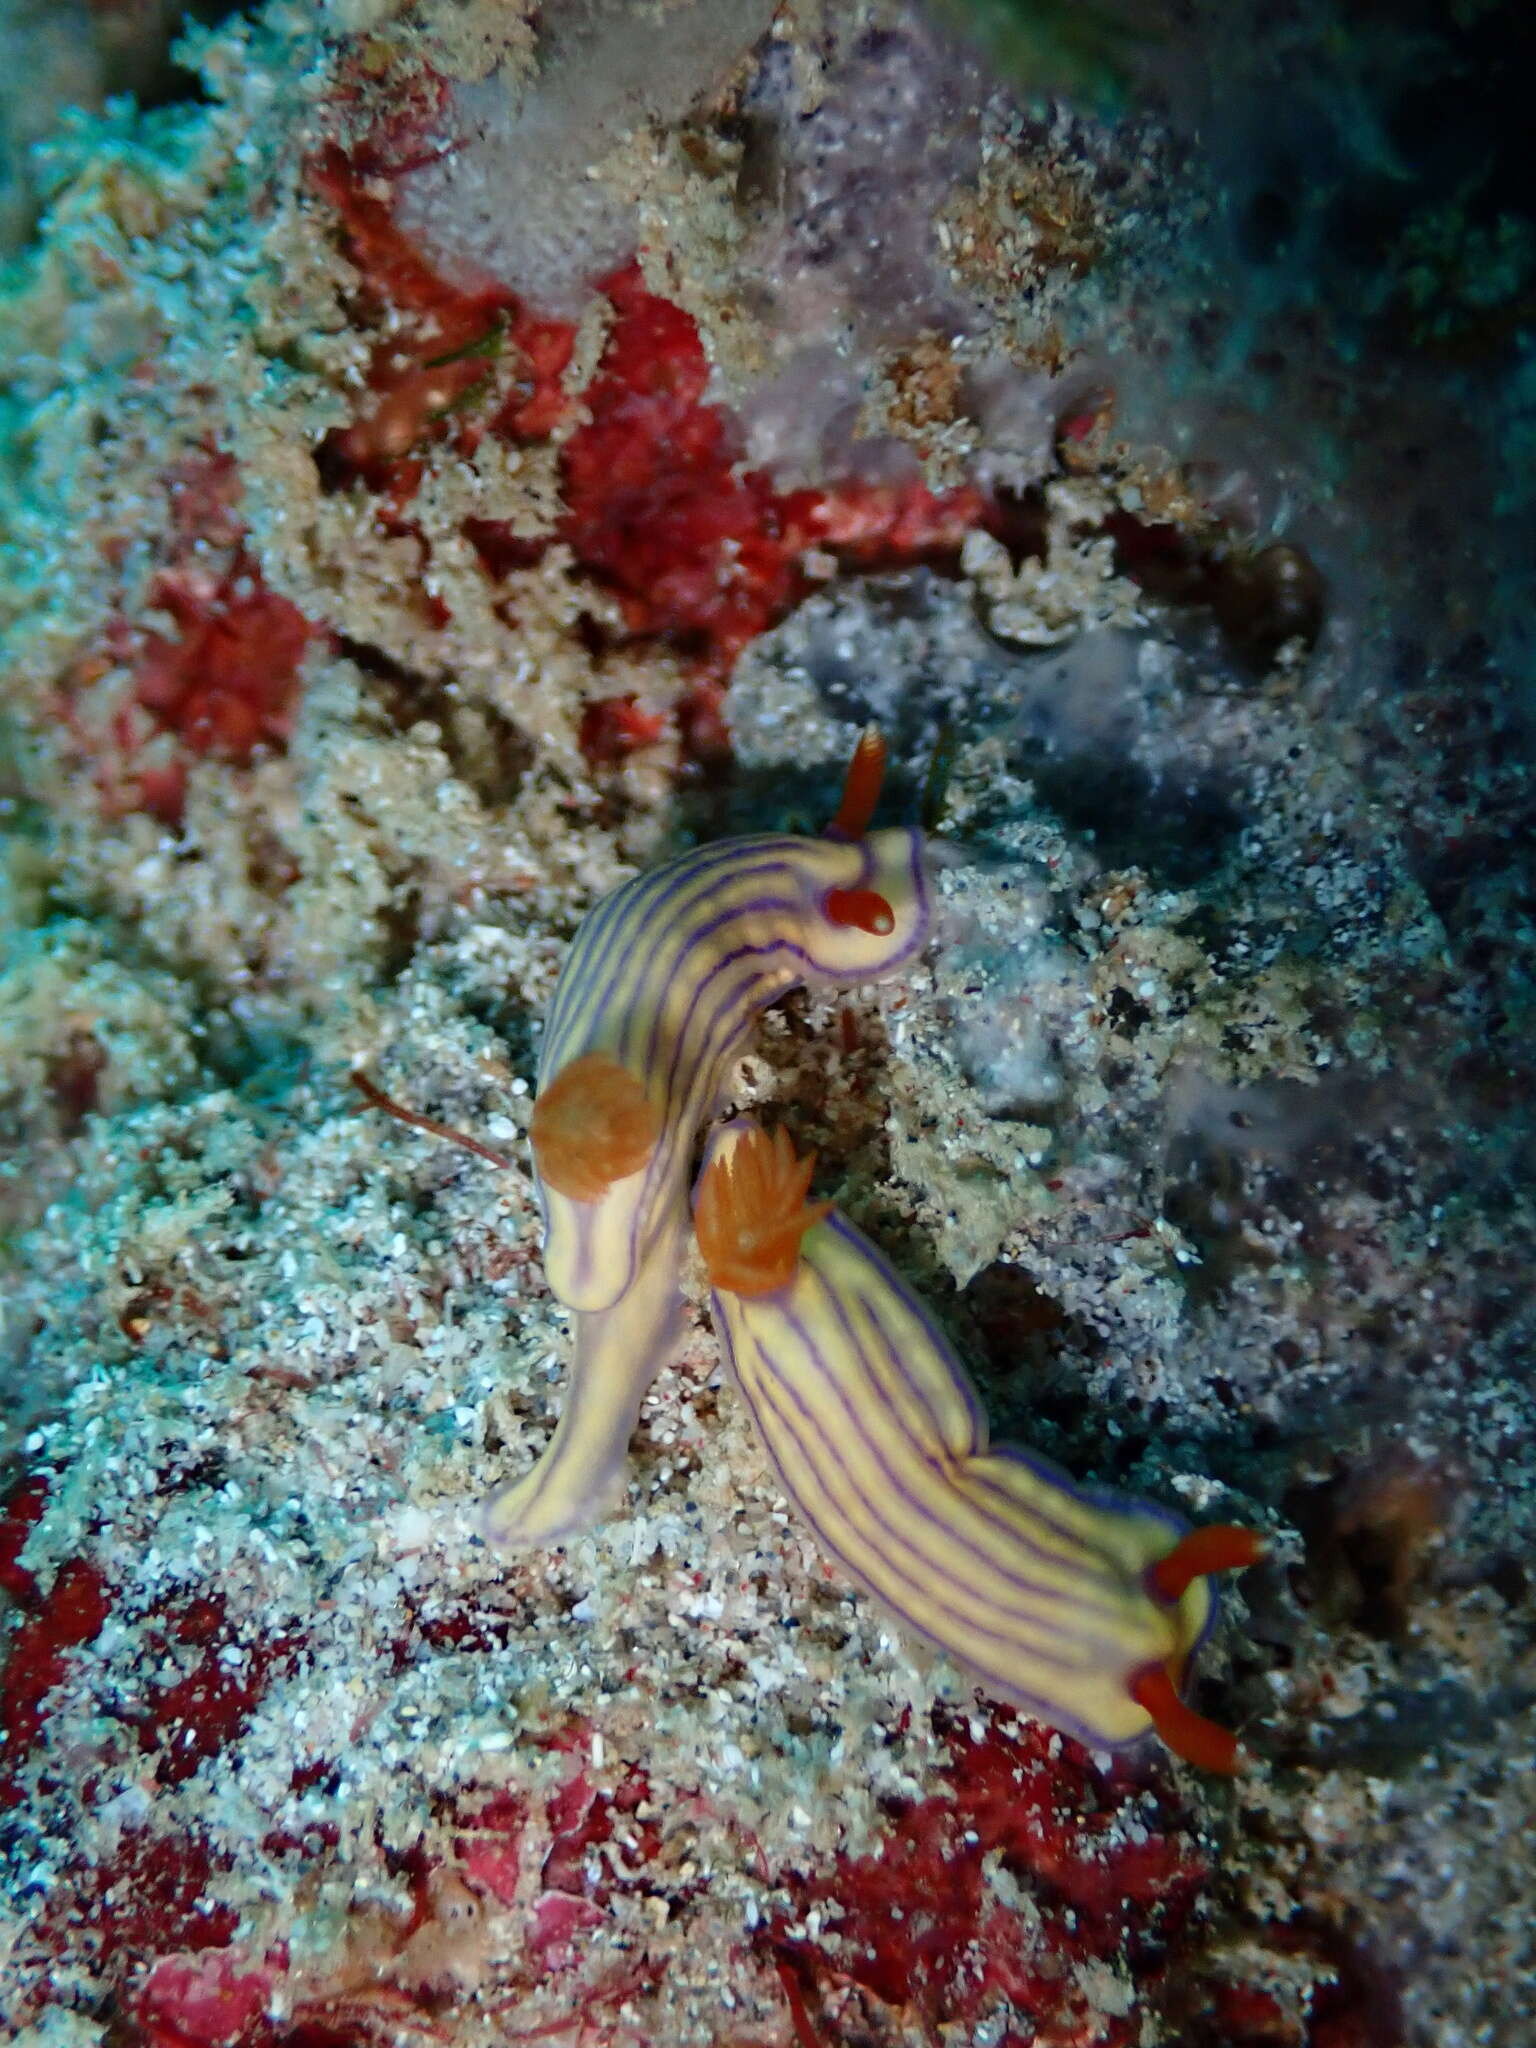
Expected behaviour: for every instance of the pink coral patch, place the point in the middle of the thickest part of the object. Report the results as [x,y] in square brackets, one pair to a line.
[556,1920]
[209,1999]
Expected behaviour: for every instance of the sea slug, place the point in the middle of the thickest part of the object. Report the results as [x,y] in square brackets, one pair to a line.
[1082,1606]
[656,1000]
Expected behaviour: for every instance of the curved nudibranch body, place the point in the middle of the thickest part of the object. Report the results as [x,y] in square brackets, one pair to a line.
[656,1002]
[1083,1607]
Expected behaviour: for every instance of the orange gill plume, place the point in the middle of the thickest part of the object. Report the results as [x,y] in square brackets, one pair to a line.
[751,1213]
[593,1125]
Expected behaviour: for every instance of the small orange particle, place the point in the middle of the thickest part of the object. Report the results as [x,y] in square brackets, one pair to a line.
[751,1214]
[593,1125]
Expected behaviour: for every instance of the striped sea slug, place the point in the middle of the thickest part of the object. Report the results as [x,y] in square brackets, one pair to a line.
[1082,1606]
[657,998]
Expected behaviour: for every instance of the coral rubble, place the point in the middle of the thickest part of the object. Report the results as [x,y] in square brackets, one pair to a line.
[452,455]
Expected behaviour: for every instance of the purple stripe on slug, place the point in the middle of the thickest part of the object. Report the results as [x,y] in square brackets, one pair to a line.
[669,1162]
[772,1399]
[1107,1500]
[769,953]
[592,939]
[993,1680]
[1110,1500]
[605,928]
[769,910]
[737,856]
[710,1050]
[597,931]
[1008,1527]
[672,948]
[834,1384]
[644,895]
[1075,1545]
[1103,1500]
[641,897]
[870,1253]
[922,909]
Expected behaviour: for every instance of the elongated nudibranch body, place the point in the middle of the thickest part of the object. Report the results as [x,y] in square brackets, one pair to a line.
[1081,1606]
[657,998]
[617,1351]
[656,1001]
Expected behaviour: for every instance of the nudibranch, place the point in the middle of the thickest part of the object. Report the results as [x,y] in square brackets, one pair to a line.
[656,1001]
[1081,1606]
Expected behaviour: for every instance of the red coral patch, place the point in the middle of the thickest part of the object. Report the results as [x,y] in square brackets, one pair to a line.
[615,727]
[207,2000]
[221,686]
[196,1716]
[447,345]
[225,685]
[150,1900]
[659,507]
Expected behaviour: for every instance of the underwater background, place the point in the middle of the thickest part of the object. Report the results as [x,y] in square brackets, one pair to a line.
[456,454]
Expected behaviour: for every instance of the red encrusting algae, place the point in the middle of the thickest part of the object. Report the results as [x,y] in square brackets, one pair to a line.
[194,1717]
[145,1909]
[613,728]
[424,377]
[70,1614]
[699,550]
[209,1998]
[1098,1874]
[65,1616]
[19,1516]
[223,686]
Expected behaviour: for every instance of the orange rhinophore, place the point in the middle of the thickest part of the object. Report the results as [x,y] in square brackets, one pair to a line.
[593,1125]
[861,786]
[751,1213]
